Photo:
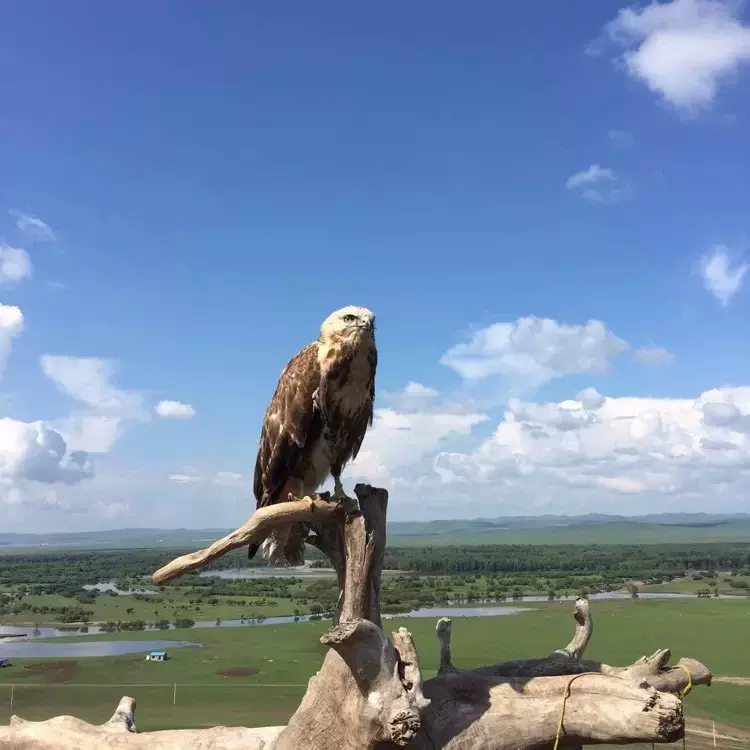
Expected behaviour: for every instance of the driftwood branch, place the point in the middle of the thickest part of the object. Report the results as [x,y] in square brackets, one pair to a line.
[64,732]
[369,692]
[471,711]
[69,733]
[584,629]
[253,531]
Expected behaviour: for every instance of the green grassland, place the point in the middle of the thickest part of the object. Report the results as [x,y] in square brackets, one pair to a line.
[693,586]
[175,604]
[286,656]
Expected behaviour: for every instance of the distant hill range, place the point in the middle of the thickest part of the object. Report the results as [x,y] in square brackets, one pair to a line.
[692,520]
[593,528]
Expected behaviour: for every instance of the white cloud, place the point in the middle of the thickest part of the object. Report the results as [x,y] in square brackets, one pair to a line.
[33,452]
[590,398]
[174,410]
[91,432]
[653,355]
[11,326]
[644,448]
[15,264]
[535,350]
[598,184]
[682,50]
[562,416]
[720,276]
[33,227]
[399,439]
[96,428]
[87,379]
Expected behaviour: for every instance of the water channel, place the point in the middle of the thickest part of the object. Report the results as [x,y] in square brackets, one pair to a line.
[23,641]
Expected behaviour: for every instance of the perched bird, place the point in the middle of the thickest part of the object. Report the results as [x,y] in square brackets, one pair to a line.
[316,421]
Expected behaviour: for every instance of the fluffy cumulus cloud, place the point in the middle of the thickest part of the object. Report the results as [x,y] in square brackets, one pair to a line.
[11,326]
[174,410]
[402,438]
[601,451]
[33,227]
[683,50]
[721,276]
[598,184]
[15,264]
[32,451]
[104,408]
[33,455]
[535,350]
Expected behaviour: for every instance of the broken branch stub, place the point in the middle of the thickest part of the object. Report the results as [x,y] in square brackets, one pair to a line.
[365,693]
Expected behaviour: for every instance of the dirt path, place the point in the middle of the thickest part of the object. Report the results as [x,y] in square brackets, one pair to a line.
[704,728]
[733,680]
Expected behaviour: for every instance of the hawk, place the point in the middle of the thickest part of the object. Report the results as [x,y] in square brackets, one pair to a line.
[316,421]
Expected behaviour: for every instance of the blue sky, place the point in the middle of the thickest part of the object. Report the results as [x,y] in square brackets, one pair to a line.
[188,189]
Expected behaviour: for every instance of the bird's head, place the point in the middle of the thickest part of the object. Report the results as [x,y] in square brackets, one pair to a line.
[348,322]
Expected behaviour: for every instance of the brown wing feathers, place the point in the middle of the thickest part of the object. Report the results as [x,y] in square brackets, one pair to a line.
[365,417]
[288,425]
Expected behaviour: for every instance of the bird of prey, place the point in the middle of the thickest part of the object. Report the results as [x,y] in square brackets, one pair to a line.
[316,421]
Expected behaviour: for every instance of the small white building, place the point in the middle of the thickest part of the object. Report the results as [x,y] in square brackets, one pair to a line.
[156,656]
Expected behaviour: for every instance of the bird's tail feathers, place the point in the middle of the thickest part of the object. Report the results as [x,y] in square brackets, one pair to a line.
[285,547]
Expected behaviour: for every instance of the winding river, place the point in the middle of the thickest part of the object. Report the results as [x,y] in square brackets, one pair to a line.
[23,642]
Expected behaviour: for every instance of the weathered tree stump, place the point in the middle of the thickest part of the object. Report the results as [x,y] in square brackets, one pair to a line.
[369,691]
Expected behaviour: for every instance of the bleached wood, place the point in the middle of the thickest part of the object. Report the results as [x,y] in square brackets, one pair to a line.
[584,629]
[443,629]
[253,531]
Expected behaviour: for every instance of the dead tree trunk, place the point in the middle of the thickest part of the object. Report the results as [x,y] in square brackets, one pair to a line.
[369,691]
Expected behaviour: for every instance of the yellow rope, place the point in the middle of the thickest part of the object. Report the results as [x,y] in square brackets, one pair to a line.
[684,692]
[566,695]
[689,685]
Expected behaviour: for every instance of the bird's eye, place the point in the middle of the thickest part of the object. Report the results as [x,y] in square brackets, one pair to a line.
[349,318]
